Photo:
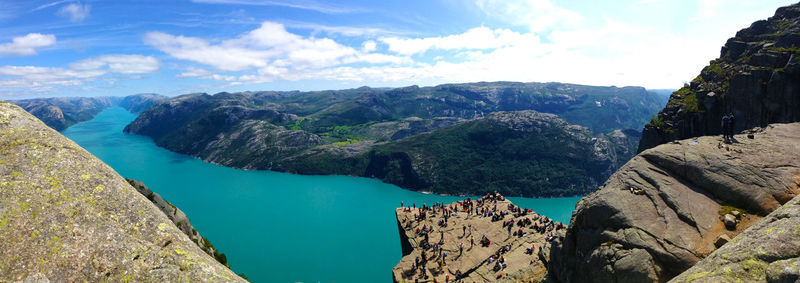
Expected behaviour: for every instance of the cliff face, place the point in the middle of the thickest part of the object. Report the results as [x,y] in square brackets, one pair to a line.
[757,77]
[67,216]
[661,212]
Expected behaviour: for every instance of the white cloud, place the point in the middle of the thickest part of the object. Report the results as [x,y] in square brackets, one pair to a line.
[297,4]
[194,72]
[537,15]
[368,46]
[75,12]
[78,73]
[121,64]
[27,45]
[707,9]
[270,47]
[476,38]
[48,5]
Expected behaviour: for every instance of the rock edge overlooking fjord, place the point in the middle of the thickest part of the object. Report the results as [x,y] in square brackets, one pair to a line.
[66,215]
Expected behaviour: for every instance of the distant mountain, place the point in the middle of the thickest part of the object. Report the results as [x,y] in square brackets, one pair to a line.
[138,103]
[62,112]
[350,131]
[757,77]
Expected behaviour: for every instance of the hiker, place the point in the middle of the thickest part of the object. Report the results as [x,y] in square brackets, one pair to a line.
[731,122]
[725,124]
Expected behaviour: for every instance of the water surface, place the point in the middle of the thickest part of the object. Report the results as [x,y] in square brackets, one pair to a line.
[275,227]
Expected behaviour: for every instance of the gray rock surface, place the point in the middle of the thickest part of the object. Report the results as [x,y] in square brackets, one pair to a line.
[67,215]
[672,224]
[767,251]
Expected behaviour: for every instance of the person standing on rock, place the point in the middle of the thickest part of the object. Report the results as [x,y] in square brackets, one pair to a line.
[731,122]
[725,124]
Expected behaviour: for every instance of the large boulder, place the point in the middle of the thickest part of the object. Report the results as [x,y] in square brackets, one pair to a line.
[660,213]
[67,216]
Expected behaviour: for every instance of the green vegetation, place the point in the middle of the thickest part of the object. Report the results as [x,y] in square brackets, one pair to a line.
[793,49]
[688,98]
[727,209]
[656,121]
[716,69]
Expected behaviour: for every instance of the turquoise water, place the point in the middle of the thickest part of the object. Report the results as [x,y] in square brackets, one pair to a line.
[275,227]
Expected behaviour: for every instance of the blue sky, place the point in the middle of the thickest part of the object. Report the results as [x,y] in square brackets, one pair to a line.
[93,48]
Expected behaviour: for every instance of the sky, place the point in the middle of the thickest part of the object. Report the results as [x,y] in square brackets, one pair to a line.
[120,47]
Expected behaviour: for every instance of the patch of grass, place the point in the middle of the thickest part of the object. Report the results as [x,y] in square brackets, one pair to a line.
[656,122]
[727,209]
[689,100]
[792,49]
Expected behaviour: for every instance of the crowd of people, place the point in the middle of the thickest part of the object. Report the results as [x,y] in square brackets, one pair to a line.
[517,221]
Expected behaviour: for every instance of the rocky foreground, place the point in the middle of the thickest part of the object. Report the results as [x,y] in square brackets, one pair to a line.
[664,211]
[454,243]
[67,216]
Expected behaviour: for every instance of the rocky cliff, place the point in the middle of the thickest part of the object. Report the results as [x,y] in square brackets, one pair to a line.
[454,246]
[663,211]
[66,216]
[757,77]
[62,112]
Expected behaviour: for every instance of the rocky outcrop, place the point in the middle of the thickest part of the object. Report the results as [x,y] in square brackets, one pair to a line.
[179,219]
[767,251]
[508,256]
[757,77]
[67,216]
[662,211]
